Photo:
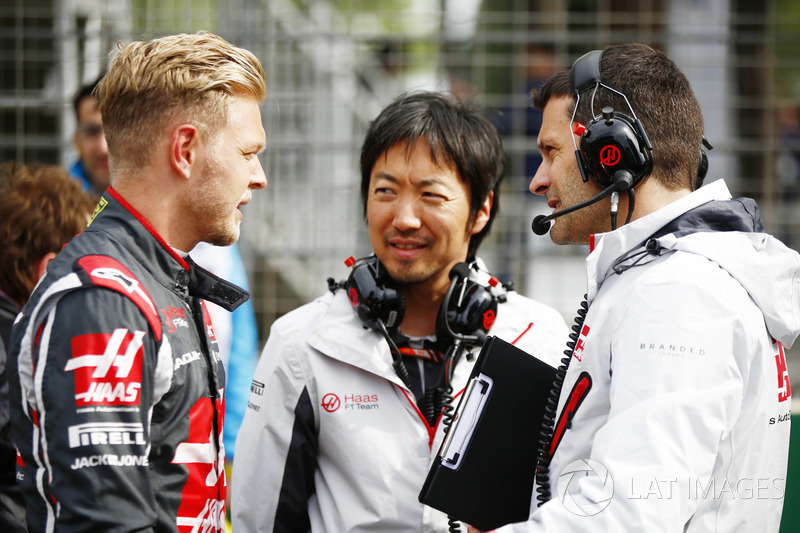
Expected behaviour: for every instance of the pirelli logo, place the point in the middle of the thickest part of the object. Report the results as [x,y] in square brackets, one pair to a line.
[111,433]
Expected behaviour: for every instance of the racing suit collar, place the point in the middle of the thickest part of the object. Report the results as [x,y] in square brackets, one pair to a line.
[209,286]
[115,215]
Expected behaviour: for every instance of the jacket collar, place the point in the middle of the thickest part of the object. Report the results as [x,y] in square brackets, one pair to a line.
[341,335]
[610,246]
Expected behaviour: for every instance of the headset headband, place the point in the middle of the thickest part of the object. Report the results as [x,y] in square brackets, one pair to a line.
[585,73]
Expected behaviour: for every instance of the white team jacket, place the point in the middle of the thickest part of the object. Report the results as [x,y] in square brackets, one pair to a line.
[333,433]
[678,385]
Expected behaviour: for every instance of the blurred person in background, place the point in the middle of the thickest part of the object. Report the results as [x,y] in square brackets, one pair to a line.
[345,415]
[674,413]
[91,168]
[41,209]
[116,382]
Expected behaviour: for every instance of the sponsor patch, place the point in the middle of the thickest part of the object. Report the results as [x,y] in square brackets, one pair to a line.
[109,459]
[185,359]
[175,318]
[97,209]
[107,272]
[102,433]
[257,387]
[107,367]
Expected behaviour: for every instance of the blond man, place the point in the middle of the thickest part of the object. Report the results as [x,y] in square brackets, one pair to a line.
[117,387]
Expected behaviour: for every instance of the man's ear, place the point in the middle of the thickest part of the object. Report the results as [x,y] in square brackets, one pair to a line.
[41,265]
[183,149]
[482,217]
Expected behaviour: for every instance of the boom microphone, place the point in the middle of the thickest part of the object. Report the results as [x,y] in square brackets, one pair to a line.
[541,223]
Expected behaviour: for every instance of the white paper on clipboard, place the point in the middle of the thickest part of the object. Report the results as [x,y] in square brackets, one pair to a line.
[460,434]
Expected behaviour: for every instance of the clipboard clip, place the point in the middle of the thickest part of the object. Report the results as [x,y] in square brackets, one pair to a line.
[466,419]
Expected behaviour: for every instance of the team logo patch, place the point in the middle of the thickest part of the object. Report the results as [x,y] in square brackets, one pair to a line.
[488,319]
[331,402]
[353,295]
[350,402]
[610,156]
[108,368]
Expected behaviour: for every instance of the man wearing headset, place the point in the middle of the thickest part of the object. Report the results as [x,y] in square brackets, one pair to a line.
[344,417]
[674,413]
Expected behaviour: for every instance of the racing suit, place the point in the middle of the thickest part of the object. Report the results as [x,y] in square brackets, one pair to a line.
[333,440]
[677,391]
[116,388]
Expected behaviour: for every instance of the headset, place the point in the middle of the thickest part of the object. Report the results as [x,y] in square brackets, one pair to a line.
[466,316]
[375,296]
[615,151]
[614,148]
[467,313]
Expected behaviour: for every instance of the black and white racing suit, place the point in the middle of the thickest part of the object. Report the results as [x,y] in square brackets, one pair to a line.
[116,385]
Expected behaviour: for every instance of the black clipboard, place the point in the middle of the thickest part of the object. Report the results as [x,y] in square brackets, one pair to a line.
[484,471]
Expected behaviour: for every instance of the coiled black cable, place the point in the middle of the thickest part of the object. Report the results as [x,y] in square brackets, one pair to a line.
[444,393]
[429,406]
[448,410]
[397,357]
[454,525]
[443,398]
[543,456]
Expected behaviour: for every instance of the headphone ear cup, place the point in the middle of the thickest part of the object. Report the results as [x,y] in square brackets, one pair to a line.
[374,294]
[614,152]
[475,315]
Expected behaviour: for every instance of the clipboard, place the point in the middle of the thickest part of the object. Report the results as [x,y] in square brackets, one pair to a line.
[483,474]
